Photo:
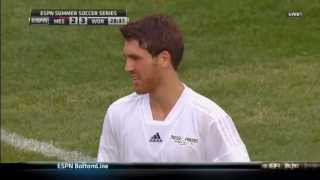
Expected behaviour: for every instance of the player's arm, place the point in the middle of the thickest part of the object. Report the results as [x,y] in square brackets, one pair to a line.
[108,147]
[224,143]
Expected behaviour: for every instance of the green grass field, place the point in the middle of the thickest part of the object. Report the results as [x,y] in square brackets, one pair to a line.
[261,66]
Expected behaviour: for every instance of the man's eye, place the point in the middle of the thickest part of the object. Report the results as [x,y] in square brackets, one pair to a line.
[135,58]
[132,57]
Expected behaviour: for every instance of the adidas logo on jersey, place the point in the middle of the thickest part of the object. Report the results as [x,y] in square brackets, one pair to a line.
[155,138]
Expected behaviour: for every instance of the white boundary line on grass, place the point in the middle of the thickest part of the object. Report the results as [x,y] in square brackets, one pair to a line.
[44,148]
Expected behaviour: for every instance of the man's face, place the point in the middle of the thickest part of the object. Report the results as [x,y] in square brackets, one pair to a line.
[141,66]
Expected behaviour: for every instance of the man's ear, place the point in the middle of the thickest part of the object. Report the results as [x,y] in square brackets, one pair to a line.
[164,59]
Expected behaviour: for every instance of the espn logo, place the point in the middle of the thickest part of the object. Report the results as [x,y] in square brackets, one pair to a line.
[294,14]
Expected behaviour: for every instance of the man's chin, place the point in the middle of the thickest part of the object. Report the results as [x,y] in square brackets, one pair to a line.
[140,90]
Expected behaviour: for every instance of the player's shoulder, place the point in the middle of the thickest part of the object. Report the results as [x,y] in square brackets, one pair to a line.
[205,106]
[125,102]
[133,97]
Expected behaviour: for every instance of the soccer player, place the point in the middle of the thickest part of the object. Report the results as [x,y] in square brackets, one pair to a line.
[164,120]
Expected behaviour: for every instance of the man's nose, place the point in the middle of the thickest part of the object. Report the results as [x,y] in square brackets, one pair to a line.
[129,67]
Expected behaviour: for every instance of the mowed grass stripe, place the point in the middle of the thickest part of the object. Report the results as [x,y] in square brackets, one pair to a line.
[12,154]
[43,148]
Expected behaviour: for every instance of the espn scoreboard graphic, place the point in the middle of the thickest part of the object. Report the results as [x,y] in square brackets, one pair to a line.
[79,17]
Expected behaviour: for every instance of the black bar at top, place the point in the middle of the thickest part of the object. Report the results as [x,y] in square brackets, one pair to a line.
[115,12]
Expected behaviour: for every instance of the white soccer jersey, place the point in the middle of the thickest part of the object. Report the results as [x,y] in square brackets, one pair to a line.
[195,130]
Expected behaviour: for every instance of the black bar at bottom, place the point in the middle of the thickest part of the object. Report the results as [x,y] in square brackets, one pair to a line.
[66,170]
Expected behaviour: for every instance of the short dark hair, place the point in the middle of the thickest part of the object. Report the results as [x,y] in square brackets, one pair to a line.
[157,33]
